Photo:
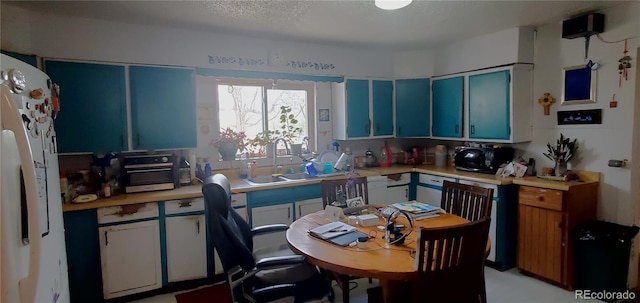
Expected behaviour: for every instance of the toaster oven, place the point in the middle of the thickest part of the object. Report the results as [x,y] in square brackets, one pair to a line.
[147,172]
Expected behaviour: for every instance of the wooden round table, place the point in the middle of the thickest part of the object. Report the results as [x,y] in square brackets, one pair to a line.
[379,260]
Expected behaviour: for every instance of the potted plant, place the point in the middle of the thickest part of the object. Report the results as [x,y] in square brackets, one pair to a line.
[229,142]
[290,130]
[564,150]
[260,143]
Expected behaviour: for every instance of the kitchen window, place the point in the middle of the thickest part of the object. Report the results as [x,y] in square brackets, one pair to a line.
[255,108]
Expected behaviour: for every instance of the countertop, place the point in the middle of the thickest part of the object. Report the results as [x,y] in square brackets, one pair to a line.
[239,186]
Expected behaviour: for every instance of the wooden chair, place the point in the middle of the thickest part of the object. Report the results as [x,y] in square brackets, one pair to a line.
[450,262]
[331,189]
[467,201]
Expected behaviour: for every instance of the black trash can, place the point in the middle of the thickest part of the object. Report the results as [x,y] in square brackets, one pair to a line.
[601,256]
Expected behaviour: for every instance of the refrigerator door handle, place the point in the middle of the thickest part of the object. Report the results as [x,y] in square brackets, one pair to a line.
[11,121]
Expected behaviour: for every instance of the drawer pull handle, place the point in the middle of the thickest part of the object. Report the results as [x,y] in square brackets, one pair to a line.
[130,209]
[543,190]
[198,227]
[185,204]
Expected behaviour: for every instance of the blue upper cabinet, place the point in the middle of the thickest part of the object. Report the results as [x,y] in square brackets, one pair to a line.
[382,107]
[412,108]
[163,107]
[489,106]
[446,107]
[362,109]
[92,114]
[358,122]
[30,59]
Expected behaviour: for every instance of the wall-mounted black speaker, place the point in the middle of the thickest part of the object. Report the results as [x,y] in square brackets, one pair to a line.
[583,26]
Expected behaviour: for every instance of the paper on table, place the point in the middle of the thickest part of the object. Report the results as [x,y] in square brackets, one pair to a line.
[331,230]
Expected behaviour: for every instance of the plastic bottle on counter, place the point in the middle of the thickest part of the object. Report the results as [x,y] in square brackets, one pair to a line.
[193,168]
[185,172]
[207,169]
[253,168]
[106,190]
[244,166]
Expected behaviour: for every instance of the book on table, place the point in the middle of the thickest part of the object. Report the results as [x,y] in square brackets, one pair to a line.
[331,230]
[418,210]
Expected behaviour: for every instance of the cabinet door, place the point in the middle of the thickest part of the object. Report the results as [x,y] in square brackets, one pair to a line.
[306,207]
[265,215]
[489,106]
[130,256]
[398,194]
[382,107]
[541,242]
[93,116]
[186,248]
[447,107]
[412,108]
[428,195]
[163,113]
[358,123]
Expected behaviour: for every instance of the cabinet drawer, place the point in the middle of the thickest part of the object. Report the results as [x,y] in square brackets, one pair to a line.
[541,197]
[238,200]
[433,179]
[485,185]
[398,179]
[184,206]
[127,212]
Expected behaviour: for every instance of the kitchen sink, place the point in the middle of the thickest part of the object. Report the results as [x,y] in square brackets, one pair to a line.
[265,179]
[295,176]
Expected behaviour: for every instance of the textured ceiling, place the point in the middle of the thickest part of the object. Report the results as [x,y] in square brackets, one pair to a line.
[350,23]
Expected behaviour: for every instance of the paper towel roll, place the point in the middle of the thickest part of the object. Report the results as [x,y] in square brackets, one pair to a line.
[441,155]
[192,166]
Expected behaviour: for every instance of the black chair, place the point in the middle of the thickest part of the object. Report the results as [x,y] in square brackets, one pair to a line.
[254,278]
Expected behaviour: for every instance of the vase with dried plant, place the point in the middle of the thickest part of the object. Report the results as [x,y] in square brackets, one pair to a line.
[563,151]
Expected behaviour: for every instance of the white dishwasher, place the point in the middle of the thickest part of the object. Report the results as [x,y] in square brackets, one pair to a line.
[377,188]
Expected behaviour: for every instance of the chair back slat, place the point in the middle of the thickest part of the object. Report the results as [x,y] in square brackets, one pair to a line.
[450,261]
[467,201]
[332,189]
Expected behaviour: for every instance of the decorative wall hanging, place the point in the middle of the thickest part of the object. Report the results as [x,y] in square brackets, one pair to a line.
[588,116]
[546,100]
[578,85]
[323,114]
[624,64]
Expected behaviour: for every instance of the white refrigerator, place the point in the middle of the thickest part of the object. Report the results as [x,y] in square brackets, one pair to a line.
[33,262]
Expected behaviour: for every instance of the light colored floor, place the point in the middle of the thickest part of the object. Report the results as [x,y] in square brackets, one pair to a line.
[502,287]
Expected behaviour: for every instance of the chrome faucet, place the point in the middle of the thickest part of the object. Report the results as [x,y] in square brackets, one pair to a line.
[276,169]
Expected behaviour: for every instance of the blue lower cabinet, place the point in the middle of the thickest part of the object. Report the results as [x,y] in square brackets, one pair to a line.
[83,256]
[276,206]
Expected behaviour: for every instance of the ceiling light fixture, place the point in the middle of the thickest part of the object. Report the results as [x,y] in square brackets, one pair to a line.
[392,4]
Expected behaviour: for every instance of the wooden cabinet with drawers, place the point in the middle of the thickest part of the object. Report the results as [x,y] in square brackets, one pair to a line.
[548,214]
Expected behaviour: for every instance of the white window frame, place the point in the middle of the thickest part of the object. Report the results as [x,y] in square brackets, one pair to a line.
[307,86]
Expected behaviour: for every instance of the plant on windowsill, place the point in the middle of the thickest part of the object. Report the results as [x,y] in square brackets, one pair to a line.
[564,150]
[228,143]
[288,129]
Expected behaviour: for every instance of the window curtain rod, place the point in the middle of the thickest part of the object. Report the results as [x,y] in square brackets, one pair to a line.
[265,75]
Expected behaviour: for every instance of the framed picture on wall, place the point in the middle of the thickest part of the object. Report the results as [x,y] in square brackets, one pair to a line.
[578,85]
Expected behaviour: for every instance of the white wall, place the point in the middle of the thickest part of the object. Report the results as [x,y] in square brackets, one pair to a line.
[613,139]
[504,47]
[88,39]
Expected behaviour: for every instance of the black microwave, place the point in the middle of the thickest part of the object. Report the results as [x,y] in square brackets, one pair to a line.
[482,159]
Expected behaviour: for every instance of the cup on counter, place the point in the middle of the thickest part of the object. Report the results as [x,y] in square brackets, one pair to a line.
[328,168]
[311,169]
